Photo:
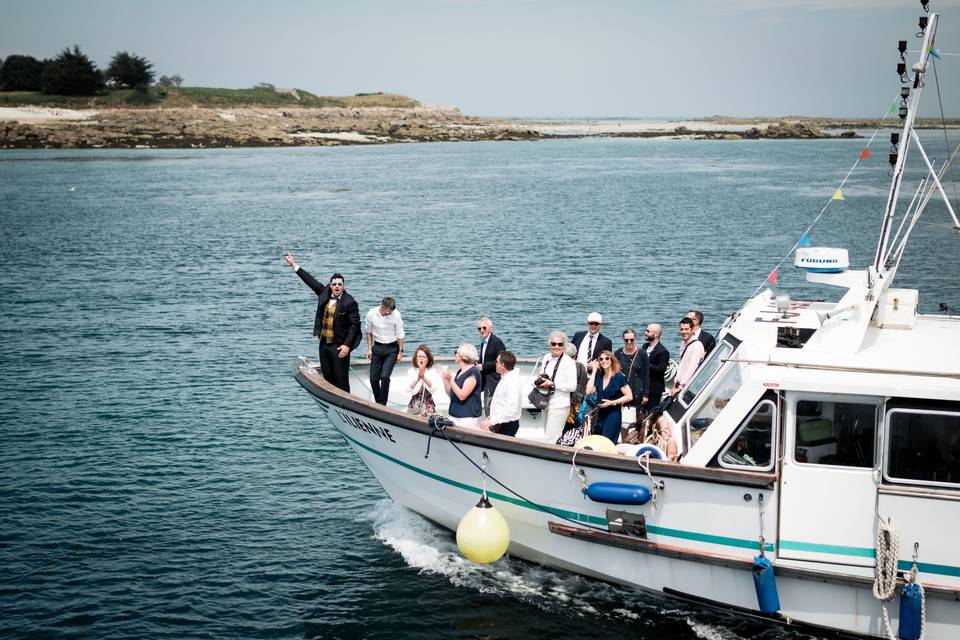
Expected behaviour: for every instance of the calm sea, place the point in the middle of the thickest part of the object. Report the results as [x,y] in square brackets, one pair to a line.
[163,476]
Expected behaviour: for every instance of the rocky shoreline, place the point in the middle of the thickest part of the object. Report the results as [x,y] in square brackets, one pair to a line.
[208,127]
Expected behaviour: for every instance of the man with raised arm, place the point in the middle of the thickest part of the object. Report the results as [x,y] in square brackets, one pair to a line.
[336,325]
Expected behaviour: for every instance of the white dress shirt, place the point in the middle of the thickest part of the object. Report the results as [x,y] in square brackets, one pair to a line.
[505,405]
[583,353]
[385,329]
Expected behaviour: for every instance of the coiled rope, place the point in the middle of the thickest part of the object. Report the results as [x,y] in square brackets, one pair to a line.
[885,573]
[885,580]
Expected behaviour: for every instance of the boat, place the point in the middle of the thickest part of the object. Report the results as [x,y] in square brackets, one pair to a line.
[819,478]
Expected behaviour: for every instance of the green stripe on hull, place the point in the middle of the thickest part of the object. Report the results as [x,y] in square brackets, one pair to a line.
[573,515]
[740,543]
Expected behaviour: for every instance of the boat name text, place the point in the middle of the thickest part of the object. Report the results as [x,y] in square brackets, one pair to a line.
[357,423]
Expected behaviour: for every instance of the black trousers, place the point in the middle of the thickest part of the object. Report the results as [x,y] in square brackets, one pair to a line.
[335,370]
[506,428]
[382,360]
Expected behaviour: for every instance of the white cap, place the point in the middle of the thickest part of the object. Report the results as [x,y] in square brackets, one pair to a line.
[595,317]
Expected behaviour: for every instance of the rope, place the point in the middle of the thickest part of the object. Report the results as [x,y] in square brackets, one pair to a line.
[943,121]
[439,424]
[644,461]
[885,573]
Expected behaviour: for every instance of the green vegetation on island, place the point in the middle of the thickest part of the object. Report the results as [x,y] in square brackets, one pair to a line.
[72,80]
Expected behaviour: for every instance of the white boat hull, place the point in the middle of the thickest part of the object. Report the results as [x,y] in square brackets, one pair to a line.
[701,538]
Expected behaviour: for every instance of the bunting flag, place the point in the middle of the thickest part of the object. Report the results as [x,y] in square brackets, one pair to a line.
[838,195]
[894,108]
[804,240]
[865,154]
[772,278]
[934,53]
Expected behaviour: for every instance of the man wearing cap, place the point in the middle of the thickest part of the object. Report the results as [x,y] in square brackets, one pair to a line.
[384,329]
[591,342]
[336,325]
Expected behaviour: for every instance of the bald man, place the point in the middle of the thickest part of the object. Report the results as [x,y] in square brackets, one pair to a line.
[659,359]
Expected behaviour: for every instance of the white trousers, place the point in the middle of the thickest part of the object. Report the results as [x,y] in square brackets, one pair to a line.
[556,419]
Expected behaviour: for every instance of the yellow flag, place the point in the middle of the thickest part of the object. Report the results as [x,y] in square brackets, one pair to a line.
[838,195]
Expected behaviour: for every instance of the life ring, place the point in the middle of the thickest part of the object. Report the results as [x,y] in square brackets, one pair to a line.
[655,452]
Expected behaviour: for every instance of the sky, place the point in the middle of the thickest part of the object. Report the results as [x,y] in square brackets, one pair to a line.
[521,58]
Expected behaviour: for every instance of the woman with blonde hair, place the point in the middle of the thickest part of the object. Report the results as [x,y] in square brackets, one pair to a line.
[613,391]
[464,388]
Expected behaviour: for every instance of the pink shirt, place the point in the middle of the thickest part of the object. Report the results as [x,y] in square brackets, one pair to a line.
[691,354]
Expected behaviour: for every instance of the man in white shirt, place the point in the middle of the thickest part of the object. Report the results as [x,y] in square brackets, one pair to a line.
[505,406]
[691,354]
[384,329]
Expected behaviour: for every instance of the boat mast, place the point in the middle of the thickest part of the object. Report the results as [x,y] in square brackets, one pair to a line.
[913,102]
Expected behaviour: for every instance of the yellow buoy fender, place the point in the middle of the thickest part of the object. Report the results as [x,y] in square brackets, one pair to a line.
[597,443]
[483,535]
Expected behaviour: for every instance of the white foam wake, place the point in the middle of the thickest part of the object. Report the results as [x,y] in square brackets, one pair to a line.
[433,550]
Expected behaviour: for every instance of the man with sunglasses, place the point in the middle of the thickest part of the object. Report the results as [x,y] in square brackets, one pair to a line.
[591,342]
[336,325]
[489,348]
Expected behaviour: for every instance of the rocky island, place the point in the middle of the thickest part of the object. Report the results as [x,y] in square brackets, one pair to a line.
[271,117]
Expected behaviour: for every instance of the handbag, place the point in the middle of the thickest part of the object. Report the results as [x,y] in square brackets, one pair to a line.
[422,404]
[540,398]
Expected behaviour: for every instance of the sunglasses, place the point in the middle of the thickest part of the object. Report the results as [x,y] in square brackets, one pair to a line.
[556,344]
[629,339]
[594,324]
[480,329]
[603,358]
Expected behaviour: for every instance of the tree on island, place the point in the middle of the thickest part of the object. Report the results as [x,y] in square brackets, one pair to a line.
[20,73]
[128,70]
[71,74]
[168,82]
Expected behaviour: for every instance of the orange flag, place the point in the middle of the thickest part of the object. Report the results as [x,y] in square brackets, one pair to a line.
[865,154]
[772,278]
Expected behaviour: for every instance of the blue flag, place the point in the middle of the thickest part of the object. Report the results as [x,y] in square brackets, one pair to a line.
[934,53]
[804,240]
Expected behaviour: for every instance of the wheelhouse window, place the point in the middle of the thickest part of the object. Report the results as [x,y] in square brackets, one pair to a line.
[923,446]
[721,394]
[709,367]
[752,446]
[839,433]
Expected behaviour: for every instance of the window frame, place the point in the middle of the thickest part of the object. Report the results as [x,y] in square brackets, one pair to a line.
[686,401]
[879,403]
[885,462]
[743,425]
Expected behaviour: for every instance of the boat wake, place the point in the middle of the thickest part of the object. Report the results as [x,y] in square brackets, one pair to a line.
[433,550]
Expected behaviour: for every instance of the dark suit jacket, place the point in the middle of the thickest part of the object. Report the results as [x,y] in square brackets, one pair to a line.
[708,342]
[346,320]
[659,359]
[488,366]
[603,343]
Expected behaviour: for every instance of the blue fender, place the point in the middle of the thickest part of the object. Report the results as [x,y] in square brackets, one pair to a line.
[616,493]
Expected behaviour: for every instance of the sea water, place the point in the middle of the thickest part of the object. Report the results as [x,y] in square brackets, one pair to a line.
[163,476]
